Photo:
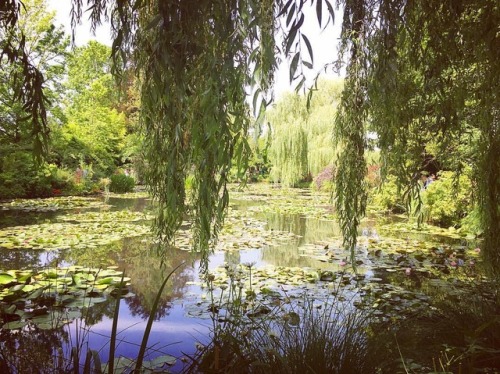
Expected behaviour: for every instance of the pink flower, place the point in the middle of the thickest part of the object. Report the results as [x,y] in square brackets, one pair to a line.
[477,250]
[408,271]
[342,263]
[453,263]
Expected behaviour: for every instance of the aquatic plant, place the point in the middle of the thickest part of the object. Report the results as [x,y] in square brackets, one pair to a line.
[309,335]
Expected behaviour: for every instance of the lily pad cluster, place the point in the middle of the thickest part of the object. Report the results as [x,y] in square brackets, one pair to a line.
[113,216]
[52,236]
[52,204]
[127,365]
[129,195]
[53,297]
[241,231]
[257,290]
[286,201]
[405,227]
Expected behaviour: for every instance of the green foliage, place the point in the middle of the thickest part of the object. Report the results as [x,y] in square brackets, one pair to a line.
[471,223]
[21,177]
[193,73]
[95,130]
[289,155]
[32,60]
[448,199]
[432,89]
[301,133]
[388,196]
[121,183]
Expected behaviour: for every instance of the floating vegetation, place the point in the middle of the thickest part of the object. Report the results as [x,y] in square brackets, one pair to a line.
[406,227]
[129,195]
[127,365]
[115,216]
[53,297]
[286,201]
[241,231]
[52,204]
[51,236]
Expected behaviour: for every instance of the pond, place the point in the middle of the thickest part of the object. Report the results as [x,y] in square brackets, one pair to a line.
[72,251]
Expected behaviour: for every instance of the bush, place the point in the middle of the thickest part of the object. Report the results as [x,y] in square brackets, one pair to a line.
[324,180]
[121,183]
[387,196]
[61,179]
[444,204]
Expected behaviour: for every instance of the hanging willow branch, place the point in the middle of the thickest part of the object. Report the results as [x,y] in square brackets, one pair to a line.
[194,60]
[350,129]
[30,91]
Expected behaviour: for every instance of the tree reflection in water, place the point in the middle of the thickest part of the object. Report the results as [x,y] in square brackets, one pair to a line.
[148,269]
[33,350]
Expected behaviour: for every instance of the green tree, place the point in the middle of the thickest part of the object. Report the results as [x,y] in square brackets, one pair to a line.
[22,126]
[95,129]
[301,133]
[45,48]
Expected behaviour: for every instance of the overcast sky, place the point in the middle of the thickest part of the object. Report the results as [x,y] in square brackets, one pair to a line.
[324,43]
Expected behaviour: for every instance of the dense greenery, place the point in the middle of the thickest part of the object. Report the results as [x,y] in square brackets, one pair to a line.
[423,76]
[89,122]
[121,183]
[301,136]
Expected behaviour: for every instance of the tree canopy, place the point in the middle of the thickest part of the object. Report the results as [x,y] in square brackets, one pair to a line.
[30,79]
[418,74]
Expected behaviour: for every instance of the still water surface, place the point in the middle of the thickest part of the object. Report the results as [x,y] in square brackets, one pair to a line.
[174,331]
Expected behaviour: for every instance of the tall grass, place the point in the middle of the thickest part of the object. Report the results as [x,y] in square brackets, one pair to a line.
[309,336]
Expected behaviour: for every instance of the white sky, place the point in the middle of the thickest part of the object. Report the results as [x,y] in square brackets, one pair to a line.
[324,43]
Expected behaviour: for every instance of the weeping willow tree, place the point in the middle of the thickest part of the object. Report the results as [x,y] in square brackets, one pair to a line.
[289,154]
[288,146]
[322,109]
[416,72]
[301,134]
[423,74]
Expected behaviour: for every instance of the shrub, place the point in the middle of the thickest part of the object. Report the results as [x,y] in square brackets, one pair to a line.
[446,204]
[121,183]
[324,180]
[61,179]
[387,196]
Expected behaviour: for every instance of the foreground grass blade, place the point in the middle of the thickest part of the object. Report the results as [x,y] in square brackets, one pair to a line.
[149,325]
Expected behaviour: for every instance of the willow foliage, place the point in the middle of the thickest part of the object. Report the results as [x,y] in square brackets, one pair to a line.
[289,154]
[432,85]
[301,134]
[194,60]
[17,57]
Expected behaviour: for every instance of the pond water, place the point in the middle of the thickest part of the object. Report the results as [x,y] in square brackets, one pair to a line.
[292,232]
